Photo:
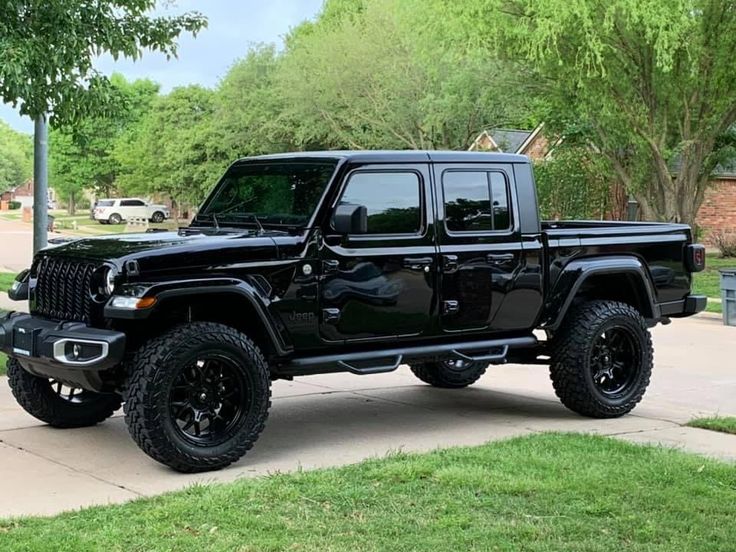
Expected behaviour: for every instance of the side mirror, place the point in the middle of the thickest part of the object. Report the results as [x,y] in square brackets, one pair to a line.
[350,219]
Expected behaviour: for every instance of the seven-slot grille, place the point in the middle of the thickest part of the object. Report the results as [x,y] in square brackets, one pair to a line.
[63,289]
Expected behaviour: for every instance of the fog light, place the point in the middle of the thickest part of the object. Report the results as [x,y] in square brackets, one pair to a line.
[76,351]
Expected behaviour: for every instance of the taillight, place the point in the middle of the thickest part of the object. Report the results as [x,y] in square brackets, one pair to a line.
[695,257]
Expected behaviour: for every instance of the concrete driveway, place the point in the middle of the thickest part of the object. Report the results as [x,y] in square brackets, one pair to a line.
[337,419]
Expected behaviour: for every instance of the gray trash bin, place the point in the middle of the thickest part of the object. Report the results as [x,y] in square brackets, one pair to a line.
[728,295]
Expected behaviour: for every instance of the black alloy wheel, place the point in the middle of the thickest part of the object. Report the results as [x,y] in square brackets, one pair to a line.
[615,361]
[209,399]
[449,374]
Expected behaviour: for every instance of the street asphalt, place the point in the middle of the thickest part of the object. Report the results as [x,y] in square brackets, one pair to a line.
[337,419]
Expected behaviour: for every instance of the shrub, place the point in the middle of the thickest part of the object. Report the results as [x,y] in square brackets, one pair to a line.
[13,205]
[725,242]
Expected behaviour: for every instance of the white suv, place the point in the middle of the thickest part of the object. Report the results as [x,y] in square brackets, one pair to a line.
[115,211]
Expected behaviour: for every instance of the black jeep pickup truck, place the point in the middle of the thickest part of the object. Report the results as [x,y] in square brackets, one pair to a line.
[310,263]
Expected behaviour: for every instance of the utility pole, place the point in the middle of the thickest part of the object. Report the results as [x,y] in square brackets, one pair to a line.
[40,183]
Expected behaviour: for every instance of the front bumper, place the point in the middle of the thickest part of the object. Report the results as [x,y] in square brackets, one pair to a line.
[692,304]
[70,352]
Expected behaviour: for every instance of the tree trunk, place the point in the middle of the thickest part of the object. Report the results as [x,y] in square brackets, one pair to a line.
[71,208]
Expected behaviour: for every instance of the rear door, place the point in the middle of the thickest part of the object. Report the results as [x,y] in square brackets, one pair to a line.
[480,246]
[133,208]
[381,284]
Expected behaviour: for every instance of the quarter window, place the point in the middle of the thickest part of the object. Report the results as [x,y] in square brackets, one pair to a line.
[476,201]
[391,198]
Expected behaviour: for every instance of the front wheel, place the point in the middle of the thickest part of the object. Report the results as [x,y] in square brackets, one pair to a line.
[602,359]
[198,396]
[449,374]
[57,404]
[158,217]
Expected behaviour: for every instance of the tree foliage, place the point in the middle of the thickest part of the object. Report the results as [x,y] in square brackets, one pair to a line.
[81,156]
[47,48]
[16,164]
[171,150]
[651,79]
[372,79]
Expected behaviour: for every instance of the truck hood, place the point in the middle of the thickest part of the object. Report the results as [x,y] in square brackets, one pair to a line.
[167,251]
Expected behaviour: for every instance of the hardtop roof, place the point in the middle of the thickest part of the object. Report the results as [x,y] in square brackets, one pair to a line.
[396,156]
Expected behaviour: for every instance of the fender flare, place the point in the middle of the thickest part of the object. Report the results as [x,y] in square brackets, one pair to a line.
[191,288]
[575,274]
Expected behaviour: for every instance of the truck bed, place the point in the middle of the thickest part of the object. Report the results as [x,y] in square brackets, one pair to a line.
[661,247]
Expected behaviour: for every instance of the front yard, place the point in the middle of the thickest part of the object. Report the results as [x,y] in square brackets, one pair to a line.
[543,492]
[708,282]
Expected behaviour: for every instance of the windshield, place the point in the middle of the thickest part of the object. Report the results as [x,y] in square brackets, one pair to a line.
[283,194]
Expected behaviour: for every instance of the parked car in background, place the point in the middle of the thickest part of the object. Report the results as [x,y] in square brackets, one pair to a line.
[115,211]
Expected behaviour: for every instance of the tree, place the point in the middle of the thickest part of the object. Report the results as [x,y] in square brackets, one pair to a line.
[171,149]
[15,157]
[652,80]
[373,79]
[82,154]
[247,107]
[48,47]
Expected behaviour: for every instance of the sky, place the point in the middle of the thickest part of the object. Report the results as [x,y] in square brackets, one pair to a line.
[233,26]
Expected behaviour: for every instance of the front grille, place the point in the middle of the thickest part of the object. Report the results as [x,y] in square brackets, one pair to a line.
[62,289]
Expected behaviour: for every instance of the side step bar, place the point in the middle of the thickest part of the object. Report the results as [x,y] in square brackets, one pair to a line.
[493,351]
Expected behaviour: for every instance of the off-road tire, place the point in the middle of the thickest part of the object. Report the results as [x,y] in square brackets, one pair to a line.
[157,217]
[114,219]
[37,397]
[571,369]
[152,372]
[442,374]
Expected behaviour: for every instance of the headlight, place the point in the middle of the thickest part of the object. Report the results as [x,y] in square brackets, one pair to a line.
[109,284]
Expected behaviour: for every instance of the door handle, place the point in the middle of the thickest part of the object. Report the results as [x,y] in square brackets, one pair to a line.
[418,263]
[499,258]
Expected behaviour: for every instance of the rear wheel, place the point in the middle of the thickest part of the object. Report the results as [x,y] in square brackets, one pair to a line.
[198,396]
[602,359]
[57,404]
[449,374]
[115,219]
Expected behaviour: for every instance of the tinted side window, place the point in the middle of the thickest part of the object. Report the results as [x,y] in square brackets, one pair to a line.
[467,201]
[475,201]
[392,200]
[131,203]
[500,198]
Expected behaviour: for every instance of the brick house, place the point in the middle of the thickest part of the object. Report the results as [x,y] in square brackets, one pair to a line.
[717,214]
[23,194]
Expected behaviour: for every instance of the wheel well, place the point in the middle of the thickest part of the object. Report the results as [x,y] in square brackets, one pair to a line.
[624,287]
[230,309]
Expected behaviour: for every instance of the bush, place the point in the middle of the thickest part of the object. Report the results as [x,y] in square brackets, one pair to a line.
[573,184]
[12,205]
[725,242]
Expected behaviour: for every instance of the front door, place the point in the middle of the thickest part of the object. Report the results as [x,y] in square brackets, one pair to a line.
[480,247]
[381,284]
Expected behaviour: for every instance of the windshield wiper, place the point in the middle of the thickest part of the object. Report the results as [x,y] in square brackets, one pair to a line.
[253,216]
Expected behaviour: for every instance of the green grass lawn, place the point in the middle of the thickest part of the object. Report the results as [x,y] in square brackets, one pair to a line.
[6,280]
[708,282]
[723,424]
[543,492]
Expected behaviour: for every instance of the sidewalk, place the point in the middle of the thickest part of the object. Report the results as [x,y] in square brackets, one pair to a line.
[337,419]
